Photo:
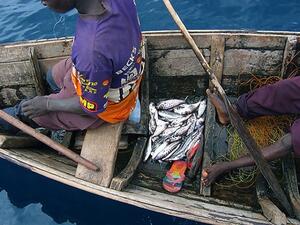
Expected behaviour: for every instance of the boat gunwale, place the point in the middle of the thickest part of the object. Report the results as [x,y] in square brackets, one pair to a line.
[163,32]
[235,216]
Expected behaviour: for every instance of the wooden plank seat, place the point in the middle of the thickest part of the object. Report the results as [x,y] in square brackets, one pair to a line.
[100,146]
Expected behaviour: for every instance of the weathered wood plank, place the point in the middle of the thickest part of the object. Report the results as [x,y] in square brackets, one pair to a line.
[176,41]
[153,182]
[36,72]
[176,62]
[214,213]
[217,56]
[8,97]
[233,85]
[236,61]
[215,145]
[233,40]
[241,61]
[166,40]
[122,180]
[51,161]
[270,210]
[177,87]
[288,55]
[255,42]
[44,49]
[21,73]
[100,146]
[206,162]
[16,74]
[27,91]
[144,92]
[291,184]
[9,141]
[11,96]
[149,199]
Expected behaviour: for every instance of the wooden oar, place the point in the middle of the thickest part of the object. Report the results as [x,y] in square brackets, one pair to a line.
[235,118]
[48,141]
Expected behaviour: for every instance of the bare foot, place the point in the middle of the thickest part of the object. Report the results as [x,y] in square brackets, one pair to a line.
[210,174]
[220,107]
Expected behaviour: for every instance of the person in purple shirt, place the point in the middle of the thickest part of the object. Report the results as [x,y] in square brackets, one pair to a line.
[100,81]
[280,98]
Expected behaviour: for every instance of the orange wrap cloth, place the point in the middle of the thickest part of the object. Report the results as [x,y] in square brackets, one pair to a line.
[117,112]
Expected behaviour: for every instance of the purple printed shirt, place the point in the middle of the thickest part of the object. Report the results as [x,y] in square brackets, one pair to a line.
[106,56]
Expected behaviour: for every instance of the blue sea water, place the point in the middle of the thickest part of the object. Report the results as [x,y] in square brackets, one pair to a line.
[29,199]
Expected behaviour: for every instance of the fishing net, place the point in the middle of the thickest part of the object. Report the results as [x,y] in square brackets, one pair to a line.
[265,130]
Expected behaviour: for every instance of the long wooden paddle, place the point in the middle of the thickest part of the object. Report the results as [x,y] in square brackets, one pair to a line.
[235,118]
[48,141]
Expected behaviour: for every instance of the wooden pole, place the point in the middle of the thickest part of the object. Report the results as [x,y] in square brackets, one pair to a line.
[235,118]
[48,141]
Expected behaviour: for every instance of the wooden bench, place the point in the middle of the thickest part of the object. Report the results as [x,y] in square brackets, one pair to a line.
[101,147]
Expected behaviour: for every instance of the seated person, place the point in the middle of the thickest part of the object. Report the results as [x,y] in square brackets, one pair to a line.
[280,98]
[100,81]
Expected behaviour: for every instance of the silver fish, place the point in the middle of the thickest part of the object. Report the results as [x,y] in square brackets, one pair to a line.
[169,116]
[166,150]
[180,153]
[196,141]
[168,139]
[157,141]
[155,138]
[160,148]
[199,123]
[174,138]
[185,109]
[148,150]
[169,131]
[182,130]
[152,125]
[167,156]
[201,108]
[180,121]
[168,104]
[161,126]
[193,122]
[153,118]
[153,110]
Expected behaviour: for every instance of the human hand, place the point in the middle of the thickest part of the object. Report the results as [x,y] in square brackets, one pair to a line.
[35,107]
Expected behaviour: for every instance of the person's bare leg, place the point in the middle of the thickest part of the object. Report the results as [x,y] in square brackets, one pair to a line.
[220,107]
[272,152]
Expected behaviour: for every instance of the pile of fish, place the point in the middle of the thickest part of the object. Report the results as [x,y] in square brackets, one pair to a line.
[175,128]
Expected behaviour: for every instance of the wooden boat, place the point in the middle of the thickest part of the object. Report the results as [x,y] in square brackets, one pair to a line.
[172,71]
